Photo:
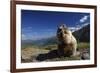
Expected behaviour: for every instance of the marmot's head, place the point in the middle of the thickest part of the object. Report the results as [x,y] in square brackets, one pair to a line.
[62,31]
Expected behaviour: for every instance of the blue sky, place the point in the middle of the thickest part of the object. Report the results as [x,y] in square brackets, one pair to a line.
[43,24]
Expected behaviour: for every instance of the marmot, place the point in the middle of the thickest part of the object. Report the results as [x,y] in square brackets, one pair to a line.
[67,43]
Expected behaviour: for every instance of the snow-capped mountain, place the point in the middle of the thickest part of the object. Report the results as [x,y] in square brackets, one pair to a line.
[78,27]
[83,34]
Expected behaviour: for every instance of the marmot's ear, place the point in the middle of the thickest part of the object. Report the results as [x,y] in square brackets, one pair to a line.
[64,25]
[59,26]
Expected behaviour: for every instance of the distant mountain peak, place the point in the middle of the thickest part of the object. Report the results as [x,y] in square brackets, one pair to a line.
[78,27]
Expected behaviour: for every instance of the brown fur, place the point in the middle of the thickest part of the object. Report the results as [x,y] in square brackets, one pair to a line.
[67,43]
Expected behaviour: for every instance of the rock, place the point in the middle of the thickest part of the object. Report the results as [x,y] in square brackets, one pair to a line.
[85,55]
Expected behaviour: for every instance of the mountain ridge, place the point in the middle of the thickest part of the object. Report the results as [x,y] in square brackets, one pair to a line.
[82,35]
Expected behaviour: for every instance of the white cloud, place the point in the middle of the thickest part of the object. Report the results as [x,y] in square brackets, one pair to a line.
[27,29]
[29,36]
[23,36]
[79,25]
[74,28]
[83,19]
[85,24]
[36,35]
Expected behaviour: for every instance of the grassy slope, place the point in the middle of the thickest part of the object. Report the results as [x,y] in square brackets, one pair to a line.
[31,50]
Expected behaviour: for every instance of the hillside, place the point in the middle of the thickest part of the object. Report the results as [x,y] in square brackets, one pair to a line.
[83,35]
[42,42]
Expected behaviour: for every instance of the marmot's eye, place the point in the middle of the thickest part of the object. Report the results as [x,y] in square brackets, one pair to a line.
[60,29]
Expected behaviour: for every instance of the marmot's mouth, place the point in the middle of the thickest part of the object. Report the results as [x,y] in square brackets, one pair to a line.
[60,35]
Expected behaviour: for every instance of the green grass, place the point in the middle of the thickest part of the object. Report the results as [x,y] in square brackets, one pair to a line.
[29,46]
[83,45]
[80,45]
[50,47]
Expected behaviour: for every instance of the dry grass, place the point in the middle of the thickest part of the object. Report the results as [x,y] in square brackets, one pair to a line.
[28,54]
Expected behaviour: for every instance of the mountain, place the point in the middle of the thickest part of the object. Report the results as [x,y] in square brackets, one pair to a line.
[46,41]
[83,34]
[41,42]
[51,40]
